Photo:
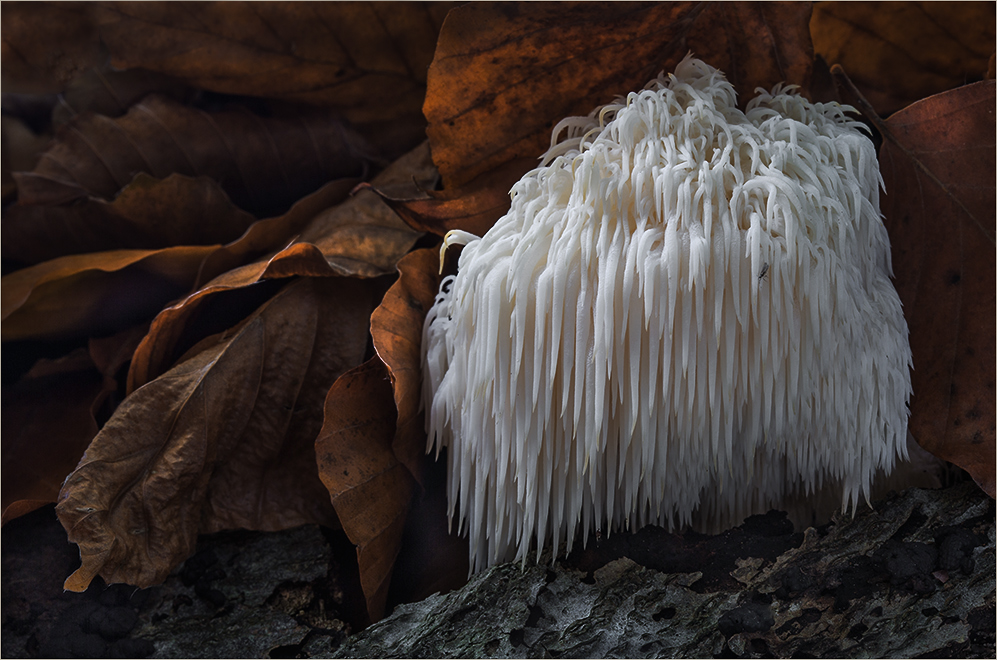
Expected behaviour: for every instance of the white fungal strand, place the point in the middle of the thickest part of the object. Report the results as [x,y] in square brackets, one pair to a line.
[685,317]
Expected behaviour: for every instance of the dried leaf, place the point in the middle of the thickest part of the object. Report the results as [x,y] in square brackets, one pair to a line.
[900,52]
[47,424]
[504,73]
[95,294]
[223,440]
[269,234]
[263,164]
[45,44]
[361,237]
[473,207]
[939,168]
[396,326]
[370,488]
[21,149]
[148,214]
[366,59]
[104,90]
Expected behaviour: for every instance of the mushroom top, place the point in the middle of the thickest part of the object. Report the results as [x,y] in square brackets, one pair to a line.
[686,316]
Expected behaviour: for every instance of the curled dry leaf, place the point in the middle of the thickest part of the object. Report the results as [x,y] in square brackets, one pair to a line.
[473,207]
[45,44]
[95,294]
[371,489]
[263,164]
[396,327]
[505,73]
[900,52]
[47,424]
[223,440]
[366,59]
[361,237]
[148,213]
[939,169]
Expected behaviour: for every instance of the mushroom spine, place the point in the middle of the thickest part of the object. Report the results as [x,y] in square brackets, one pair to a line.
[686,317]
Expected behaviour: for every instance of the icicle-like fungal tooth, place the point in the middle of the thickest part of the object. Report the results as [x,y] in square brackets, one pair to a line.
[685,317]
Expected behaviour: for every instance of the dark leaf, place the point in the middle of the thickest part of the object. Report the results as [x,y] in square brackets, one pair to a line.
[505,73]
[473,207]
[148,214]
[370,488]
[47,424]
[224,440]
[94,294]
[263,164]
[938,165]
[45,44]
[366,59]
[900,52]
[105,90]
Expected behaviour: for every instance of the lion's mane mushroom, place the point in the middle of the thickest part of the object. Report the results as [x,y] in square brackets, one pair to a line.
[686,316]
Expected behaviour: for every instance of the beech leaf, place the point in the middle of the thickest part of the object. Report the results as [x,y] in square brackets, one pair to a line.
[473,207]
[47,424]
[938,165]
[371,489]
[900,52]
[361,237]
[95,294]
[45,44]
[505,73]
[223,440]
[263,164]
[396,327]
[366,59]
[148,213]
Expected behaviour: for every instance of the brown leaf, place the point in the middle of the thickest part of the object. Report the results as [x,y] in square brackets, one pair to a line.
[224,440]
[94,294]
[370,488]
[45,44]
[473,207]
[361,237]
[105,90]
[47,424]
[264,236]
[21,149]
[366,59]
[396,326]
[900,52]
[939,168]
[505,73]
[263,164]
[148,214]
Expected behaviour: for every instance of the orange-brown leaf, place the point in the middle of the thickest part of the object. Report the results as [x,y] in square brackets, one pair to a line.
[939,168]
[396,326]
[95,294]
[901,52]
[224,440]
[263,164]
[366,59]
[148,213]
[505,73]
[47,424]
[370,488]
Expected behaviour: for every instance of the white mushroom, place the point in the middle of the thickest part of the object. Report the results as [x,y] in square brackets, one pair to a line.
[686,316]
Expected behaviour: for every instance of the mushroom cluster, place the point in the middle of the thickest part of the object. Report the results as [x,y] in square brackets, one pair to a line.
[686,317]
